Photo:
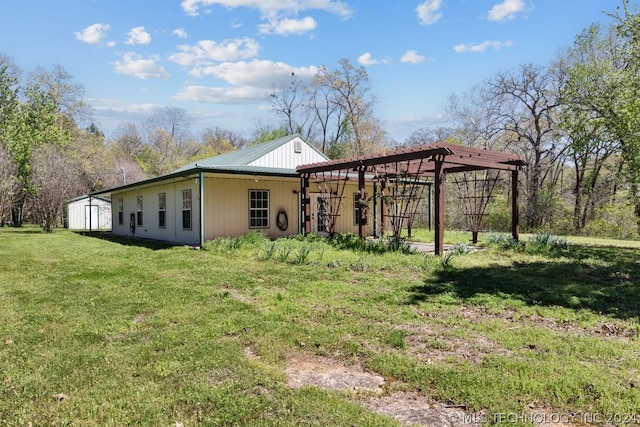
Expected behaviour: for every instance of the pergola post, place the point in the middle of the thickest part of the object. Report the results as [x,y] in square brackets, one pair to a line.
[375,209]
[362,209]
[515,206]
[439,207]
[383,209]
[306,203]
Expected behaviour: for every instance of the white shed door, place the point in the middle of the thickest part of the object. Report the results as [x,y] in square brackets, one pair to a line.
[91,214]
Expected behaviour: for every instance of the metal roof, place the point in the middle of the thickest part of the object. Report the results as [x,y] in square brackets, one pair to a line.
[241,157]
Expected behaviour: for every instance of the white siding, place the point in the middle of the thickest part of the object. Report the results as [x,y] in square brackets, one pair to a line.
[226,204]
[78,214]
[150,229]
[286,156]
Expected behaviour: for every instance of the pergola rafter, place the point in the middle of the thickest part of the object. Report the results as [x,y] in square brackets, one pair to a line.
[409,167]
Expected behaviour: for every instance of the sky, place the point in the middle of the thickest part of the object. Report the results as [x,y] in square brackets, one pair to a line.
[219,60]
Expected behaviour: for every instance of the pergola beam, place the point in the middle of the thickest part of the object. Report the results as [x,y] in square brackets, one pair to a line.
[436,161]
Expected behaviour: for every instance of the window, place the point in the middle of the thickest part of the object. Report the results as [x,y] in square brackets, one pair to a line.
[297,146]
[139,220]
[186,209]
[162,209]
[120,211]
[258,209]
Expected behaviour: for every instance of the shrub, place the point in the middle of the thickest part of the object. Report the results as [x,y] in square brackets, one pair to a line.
[546,241]
[505,242]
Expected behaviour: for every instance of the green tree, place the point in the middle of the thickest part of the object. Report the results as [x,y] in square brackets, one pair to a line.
[622,113]
[591,68]
[36,124]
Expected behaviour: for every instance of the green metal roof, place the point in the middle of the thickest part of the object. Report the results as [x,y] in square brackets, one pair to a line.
[259,170]
[235,162]
[240,157]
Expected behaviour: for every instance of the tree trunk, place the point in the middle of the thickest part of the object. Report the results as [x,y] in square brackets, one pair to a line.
[16,216]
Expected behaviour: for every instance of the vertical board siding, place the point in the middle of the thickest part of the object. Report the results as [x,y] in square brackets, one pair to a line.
[226,207]
[286,157]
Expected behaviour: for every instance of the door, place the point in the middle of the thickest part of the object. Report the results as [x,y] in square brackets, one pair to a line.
[91,215]
[320,215]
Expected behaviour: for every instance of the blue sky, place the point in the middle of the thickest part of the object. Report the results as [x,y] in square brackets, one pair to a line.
[220,59]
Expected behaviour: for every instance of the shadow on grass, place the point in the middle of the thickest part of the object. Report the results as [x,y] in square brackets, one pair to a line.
[601,279]
[127,241]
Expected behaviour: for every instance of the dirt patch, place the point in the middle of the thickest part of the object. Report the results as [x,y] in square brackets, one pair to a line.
[435,345]
[308,369]
[413,409]
[409,408]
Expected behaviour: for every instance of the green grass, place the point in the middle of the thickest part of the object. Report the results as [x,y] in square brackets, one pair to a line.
[134,332]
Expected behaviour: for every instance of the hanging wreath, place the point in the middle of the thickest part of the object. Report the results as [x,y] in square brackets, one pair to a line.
[282,220]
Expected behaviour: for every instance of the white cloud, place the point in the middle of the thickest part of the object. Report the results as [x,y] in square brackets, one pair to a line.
[288,26]
[272,7]
[138,66]
[222,95]
[93,34]
[366,59]
[118,106]
[138,35]
[412,57]
[481,47]
[506,10]
[208,51]
[246,81]
[180,33]
[429,12]
[257,73]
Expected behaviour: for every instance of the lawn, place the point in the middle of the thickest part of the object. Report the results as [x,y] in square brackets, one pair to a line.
[98,331]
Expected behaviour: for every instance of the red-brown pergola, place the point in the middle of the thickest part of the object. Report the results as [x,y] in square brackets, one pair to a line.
[413,164]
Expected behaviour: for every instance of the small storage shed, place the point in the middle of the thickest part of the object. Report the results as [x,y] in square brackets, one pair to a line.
[88,213]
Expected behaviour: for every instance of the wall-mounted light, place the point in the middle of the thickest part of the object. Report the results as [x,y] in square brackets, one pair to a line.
[197,181]
[255,178]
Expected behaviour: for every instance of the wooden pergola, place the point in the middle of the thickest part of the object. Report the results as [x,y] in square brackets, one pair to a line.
[413,166]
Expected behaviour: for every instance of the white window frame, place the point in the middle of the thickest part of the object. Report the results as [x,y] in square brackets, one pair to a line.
[162,210]
[187,205]
[259,201]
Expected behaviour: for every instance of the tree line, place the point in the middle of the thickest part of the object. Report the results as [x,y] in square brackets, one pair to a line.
[575,120]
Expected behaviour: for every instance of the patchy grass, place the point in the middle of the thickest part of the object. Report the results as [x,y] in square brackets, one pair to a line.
[102,331]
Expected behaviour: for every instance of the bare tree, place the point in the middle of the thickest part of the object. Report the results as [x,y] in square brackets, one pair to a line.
[527,103]
[128,140]
[291,101]
[54,183]
[350,91]
[168,136]
[219,141]
[426,136]
[66,95]
[328,116]
[476,121]
[173,122]
[122,171]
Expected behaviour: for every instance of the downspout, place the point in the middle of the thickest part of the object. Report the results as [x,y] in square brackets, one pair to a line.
[201,202]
